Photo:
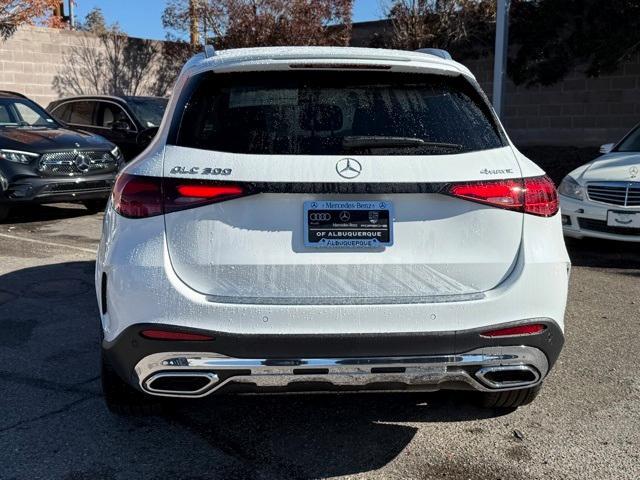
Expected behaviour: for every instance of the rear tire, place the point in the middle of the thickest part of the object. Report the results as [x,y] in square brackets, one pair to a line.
[4,212]
[510,398]
[95,206]
[122,399]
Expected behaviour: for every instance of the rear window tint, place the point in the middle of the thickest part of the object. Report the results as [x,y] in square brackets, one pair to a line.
[334,113]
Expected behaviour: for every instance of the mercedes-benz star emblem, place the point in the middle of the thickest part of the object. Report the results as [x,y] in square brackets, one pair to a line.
[345,216]
[82,162]
[633,172]
[348,168]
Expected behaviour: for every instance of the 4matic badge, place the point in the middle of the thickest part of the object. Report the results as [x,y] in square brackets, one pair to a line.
[499,171]
[198,171]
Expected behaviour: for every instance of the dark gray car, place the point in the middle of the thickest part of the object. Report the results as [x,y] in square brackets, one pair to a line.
[130,122]
[42,161]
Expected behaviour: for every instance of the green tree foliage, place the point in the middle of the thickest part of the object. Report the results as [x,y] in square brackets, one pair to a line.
[94,22]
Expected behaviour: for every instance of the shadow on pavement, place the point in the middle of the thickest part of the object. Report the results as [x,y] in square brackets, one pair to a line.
[322,435]
[44,213]
[603,253]
[49,315]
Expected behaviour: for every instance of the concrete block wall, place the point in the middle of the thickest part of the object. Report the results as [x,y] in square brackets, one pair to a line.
[34,60]
[577,111]
[31,58]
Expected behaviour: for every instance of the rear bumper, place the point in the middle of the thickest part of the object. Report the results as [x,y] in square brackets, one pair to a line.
[175,374]
[137,288]
[422,361]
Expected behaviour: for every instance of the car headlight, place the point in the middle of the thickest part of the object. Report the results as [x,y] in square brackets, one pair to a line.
[17,156]
[570,188]
[116,152]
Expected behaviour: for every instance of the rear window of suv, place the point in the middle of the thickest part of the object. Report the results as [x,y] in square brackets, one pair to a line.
[334,113]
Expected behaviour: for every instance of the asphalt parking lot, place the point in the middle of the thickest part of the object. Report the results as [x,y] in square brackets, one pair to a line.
[53,424]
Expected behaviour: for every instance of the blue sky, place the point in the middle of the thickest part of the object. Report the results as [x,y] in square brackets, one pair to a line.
[141,18]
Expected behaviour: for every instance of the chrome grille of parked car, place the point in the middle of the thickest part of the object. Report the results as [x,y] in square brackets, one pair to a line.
[625,194]
[76,162]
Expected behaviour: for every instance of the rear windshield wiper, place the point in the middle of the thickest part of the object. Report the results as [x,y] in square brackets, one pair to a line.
[387,142]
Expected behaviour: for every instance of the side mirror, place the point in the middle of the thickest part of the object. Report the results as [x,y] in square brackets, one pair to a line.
[120,126]
[607,147]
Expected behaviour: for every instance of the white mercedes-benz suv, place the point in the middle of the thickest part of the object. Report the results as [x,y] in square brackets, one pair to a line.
[601,199]
[329,219]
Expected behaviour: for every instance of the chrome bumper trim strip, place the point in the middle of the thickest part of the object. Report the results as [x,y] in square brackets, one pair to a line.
[420,372]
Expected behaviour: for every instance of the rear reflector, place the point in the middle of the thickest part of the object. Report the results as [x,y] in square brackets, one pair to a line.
[168,335]
[536,195]
[515,331]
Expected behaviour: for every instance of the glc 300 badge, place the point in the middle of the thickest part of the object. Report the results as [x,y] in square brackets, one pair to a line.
[198,171]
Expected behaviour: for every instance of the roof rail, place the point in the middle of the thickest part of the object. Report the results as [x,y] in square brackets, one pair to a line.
[209,51]
[438,52]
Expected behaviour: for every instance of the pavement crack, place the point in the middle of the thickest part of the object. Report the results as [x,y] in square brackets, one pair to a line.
[89,380]
[46,384]
[62,409]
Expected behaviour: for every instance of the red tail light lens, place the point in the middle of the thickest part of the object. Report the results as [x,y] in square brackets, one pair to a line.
[540,197]
[503,193]
[536,196]
[209,191]
[169,335]
[136,196]
[180,194]
[515,331]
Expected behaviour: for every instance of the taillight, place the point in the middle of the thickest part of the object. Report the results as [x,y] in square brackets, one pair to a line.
[515,331]
[536,195]
[180,194]
[136,196]
[540,197]
[172,335]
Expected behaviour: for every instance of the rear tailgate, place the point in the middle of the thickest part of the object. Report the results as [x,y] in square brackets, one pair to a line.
[252,249]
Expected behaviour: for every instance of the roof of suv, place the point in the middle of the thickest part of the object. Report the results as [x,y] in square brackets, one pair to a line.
[9,94]
[265,58]
[122,98]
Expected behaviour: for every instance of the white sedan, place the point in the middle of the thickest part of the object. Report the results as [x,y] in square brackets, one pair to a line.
[601,199]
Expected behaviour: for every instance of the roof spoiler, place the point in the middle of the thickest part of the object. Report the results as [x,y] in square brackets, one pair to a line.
[437,52]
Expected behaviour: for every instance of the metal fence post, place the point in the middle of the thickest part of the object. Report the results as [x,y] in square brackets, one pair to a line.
[500,58]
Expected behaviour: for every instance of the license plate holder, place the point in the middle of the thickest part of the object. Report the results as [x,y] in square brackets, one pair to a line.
[349,224]
[623,219]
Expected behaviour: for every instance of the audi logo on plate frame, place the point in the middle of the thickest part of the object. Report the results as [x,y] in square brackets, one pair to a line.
[320,216]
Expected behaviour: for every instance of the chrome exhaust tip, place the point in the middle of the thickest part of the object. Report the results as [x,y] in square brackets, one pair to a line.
[180,384]
[508,376]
